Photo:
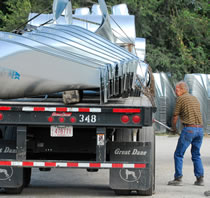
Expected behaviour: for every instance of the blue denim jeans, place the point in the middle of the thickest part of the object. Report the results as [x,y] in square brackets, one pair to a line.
[193,136]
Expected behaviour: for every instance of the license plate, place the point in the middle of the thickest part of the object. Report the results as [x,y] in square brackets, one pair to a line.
[61,131]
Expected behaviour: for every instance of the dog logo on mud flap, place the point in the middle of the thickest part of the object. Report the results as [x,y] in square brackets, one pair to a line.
[131,175]
[6,173]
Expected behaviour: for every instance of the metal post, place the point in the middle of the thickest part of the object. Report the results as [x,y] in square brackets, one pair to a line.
[101,144]
[21,143]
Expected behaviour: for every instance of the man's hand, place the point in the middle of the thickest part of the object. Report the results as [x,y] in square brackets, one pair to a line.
[174,131]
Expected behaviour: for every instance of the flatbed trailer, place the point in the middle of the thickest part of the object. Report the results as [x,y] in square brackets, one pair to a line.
[46,133]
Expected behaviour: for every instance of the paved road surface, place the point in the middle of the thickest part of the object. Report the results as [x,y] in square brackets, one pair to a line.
[79,183]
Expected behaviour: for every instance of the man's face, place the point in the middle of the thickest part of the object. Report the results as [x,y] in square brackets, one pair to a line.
[178,91]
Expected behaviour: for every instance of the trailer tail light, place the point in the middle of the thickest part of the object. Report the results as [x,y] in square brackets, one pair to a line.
[61,119]
[124,119]
[73,120]
[1,116]
[50,119]
[136,119]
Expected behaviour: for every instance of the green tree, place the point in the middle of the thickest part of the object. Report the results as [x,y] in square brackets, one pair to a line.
[38,6]
[16,14]
[177,34]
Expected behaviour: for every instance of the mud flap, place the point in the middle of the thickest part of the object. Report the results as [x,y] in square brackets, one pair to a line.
[131,178]
[10,177]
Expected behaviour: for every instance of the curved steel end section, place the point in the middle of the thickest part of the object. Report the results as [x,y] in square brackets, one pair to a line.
[58,8]
[105,27]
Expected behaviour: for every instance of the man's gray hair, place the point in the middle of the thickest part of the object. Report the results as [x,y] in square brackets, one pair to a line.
[183,85]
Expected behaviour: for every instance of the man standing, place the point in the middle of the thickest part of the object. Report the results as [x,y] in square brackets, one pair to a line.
[188,109]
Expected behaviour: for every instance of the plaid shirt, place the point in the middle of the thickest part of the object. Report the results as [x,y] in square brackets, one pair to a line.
[188,109]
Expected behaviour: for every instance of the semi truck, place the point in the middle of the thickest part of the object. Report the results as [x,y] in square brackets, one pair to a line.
[106,127]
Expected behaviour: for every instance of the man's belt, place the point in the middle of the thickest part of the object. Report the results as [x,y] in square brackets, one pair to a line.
[193,125]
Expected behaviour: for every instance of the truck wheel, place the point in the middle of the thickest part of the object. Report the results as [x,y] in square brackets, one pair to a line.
[123,135]
[122,192]
[10,133]
[2,131]
[14,190]
[148,192]
[26,176]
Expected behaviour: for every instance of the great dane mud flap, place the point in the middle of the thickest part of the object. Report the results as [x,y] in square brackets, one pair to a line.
[10,177]
[131,178]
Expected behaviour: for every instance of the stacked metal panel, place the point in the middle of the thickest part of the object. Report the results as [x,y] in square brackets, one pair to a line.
[82,59]
[198,87]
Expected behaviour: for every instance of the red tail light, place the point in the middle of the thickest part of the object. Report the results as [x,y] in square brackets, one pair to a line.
[73,120]
[136,119]
[50,119]
[1,116]
[125,119]
[61,119]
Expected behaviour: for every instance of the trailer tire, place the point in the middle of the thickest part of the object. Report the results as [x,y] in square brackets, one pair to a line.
[122,192]
[2,131]
[148,192]
[17,190]
[10,133]
[26,176]
[123,135]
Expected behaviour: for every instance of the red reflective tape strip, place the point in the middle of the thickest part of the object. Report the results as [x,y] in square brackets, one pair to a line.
[117,165]
[139,165]
[72,164]
[28,164]
[39,108]
[5,163]
[5,108]
[126,110]
[51,164]
[63,109]
[96,165]
[84,109]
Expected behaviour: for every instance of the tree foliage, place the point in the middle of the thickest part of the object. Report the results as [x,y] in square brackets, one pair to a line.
[176,31]
[14,14]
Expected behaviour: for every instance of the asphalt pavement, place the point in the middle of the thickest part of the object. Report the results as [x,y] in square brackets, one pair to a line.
[80,183]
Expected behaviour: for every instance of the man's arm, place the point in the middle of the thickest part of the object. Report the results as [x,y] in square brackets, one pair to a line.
[174,121]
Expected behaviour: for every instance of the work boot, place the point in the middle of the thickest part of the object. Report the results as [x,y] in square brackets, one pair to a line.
[176,182]
[199,181]
[207,193]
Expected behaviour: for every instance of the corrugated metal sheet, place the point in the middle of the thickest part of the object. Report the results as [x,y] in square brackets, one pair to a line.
[164,99]
[199,87]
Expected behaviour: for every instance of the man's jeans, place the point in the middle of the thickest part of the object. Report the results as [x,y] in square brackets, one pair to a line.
[193,136]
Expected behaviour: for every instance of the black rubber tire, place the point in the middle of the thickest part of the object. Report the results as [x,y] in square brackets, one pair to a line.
[123,135]
[122,192]
[26,176]
[17,190]
[148,192]
[2,131]
[10,133]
